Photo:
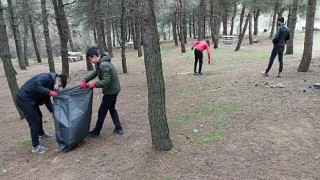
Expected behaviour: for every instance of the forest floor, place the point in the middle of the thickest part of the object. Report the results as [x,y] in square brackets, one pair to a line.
[227,124]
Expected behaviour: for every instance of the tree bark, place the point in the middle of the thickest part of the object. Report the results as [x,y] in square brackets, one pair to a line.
[113,34]
[137,28]
[190,28]
[26,33]
[182,23]
[256,21]
[6,59]
[95,35]
[47,35]
[233,16]
[224,17]
[250,29]
[123,22]
[292,26]
[201,20]
[212,19]
[156,87]
[108,29]
[243,32]
[99,25]
[174,27]
[16,35]
[34,39]
[62,24]
[217,25]
[194,26]
[242,17]
[274,20]
[308,40]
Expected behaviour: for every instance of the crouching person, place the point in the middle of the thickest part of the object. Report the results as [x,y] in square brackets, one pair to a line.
[34,93]
[109,82]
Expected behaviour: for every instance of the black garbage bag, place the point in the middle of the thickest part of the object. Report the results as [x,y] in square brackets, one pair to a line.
[72,116]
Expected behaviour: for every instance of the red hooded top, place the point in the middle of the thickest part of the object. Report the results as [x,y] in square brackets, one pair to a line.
[201,46]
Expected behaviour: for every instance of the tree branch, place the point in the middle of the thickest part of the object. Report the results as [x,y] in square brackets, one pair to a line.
[67,4]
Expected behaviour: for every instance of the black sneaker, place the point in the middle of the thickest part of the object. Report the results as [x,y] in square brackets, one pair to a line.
[93,134]
[195,73]
[118,131]
[45,136]
[200,73]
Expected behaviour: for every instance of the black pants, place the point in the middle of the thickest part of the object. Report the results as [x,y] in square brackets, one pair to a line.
[34,118]
[276,51]
[198,57]
[108,103]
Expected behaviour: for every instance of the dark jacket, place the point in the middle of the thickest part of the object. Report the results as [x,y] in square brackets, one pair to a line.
[107,74]
[36,90]
[282,36]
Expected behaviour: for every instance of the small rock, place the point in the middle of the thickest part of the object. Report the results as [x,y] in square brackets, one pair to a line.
[315,100]
[256,85]
[201,125]
[195,131]
[317,157]
[188,137]
[302,163]
[77,161]
[4,171]
[304,91]
[266,83]
[310,87]
[236,81]
[305,80]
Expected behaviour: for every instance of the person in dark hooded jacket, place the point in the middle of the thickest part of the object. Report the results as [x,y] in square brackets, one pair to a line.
[34,93]
[109,82]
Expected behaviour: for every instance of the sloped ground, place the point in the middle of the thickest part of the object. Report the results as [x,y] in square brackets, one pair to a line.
[226,124]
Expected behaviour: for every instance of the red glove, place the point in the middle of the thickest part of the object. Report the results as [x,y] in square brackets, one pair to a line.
[92,85]
[83,84]
[52,93]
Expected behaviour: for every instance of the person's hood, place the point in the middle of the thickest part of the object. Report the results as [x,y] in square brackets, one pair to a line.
[54,76]
[105,58]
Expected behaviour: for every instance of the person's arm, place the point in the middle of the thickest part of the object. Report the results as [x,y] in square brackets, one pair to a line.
[288,37]
[209,55]
[276,37]
[49,106]
[194,44]
[106,76]
[91,75]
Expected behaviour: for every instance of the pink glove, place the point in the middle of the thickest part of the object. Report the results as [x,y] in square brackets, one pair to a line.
[92,85]
[83,84]
[52,93]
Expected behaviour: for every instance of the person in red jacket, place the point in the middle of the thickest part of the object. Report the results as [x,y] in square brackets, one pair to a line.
[199,47]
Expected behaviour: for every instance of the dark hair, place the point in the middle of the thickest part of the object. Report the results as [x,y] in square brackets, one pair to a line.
[281,19]
[64,80]
[92,51]
[208,42]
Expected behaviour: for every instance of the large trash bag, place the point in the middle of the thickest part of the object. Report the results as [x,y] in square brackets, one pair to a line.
[72,116]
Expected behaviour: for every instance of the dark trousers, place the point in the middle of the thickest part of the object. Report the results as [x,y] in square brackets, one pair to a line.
[276,51]
[34,118]
[198,57]
[108,103]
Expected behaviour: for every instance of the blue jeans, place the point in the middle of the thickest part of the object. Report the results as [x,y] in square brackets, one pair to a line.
[276,51]
[108,103]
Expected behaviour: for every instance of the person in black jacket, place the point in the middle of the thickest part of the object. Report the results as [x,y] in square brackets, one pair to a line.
[34,93]
[279,42]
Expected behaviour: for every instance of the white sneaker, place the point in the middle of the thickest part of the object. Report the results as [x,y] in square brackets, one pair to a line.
[264,73]
[45,136]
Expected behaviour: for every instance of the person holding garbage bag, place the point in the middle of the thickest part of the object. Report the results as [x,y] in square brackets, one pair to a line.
[34,93]
[109,82]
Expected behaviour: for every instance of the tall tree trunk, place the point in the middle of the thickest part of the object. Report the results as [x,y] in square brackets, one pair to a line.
[6,59]
[47,35]
[289,16]
[174,27]
[156,87]
[190,28]
[108,29]
[212,19]
[113,34]
[217,25]
[95,35]
[137,28]
[204,20]
[105,48]
[250,29]
[274,20]
[224,17]
[242,17]
[308,40]
[117,33]
[184,21]
[16,35]
[256,21]
[243,32]
[26,33]
[194,25]
[62,24]
[201,20]
[99,25]
[233,16]
[181,20]
[33,35]
[123,22]
[292,27]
